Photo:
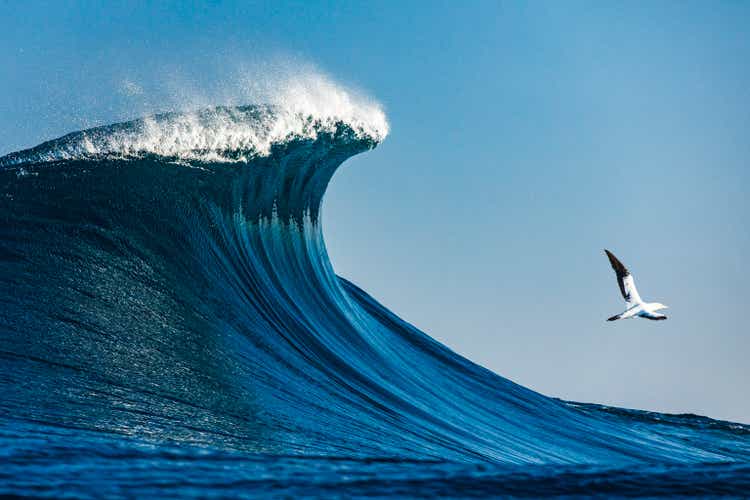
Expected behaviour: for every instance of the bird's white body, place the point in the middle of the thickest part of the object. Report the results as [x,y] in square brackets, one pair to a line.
[644,310]
[636,308]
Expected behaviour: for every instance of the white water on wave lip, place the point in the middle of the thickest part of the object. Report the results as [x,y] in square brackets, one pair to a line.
[299,106]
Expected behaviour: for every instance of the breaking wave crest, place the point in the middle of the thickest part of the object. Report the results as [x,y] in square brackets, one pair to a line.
[220,134]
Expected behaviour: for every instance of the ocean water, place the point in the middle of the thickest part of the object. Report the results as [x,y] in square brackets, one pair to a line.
[171,326]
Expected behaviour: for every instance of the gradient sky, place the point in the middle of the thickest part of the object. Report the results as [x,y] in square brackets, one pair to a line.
[525,138]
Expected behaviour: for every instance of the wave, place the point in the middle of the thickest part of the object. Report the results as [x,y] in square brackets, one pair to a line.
[166,281]
[220,134]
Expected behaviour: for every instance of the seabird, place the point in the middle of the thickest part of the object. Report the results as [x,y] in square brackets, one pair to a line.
[635,306]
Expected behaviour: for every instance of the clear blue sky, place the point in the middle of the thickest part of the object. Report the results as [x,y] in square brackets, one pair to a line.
[525,137]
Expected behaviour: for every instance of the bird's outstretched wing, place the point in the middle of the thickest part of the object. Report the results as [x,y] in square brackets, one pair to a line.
[624,280]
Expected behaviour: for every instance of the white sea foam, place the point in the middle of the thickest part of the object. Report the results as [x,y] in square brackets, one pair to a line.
[296,107]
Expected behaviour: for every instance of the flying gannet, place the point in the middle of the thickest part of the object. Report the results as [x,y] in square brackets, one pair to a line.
[635,306]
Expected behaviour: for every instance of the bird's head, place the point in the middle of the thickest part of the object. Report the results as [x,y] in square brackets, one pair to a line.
[659,305]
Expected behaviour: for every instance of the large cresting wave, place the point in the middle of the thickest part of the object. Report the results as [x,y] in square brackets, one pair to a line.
[165,281]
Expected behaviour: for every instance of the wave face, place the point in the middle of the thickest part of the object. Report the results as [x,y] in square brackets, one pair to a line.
[166,299]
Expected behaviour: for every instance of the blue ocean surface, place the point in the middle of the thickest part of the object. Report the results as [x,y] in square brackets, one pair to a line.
[171,326]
